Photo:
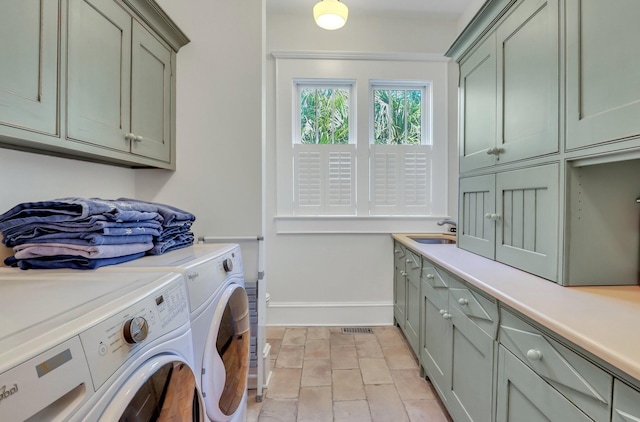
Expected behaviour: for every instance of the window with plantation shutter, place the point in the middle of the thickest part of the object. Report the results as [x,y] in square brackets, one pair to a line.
[324,177]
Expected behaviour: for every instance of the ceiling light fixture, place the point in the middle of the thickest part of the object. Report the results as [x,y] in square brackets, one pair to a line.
[330,14]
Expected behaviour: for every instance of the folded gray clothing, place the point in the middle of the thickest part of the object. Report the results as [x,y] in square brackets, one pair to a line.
[37,250]
[171,216]
[77,209]
[88,239]
[91,225]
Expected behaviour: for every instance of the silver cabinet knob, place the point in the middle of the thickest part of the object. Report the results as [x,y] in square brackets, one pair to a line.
[130,137]
[533,354]
[442,312]
[446,315]
[138,138]
[430,276]
[462,301]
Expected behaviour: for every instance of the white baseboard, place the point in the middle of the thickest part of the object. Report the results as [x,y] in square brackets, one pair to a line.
[330,313]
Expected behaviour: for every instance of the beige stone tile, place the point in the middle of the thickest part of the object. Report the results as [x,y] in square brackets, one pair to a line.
[279,410]
[275,347]
[385,404]
[344,357]
[317,349]
[316,373]
[425,411]
[294,337]
[253,406]
[315,404]
[275,332]
[285,383]
[351,411]
[340,340]
[290,357]
[399,357]
[347,385]
[410,385]
[375,371]
[389,336]
[368,346]
[316,333]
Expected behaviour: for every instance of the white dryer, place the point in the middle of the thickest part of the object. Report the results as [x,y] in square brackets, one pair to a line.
[220,321]
[95,347]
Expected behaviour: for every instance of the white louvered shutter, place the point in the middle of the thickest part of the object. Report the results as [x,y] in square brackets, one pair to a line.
[401,180]
[324,179]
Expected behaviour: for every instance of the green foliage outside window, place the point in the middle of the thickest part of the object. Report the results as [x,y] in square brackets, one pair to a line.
[397,116]
[324,114]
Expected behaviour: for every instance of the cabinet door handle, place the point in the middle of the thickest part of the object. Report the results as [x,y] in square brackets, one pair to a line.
[495,151]
[442,312]
[491,151]
[430,277]
[446,315]
[396,251]
[130,137]
[533,354]
[403,273]
[462,301]
[493,217]
[138,138]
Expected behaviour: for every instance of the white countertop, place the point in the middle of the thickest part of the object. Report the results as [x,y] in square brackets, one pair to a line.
[603,320]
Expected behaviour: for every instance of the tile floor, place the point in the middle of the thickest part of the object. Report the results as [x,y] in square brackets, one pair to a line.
[320,374]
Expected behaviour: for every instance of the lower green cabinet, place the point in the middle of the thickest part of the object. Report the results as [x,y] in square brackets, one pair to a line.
[406,293]
[626,403]
[525,396]
[399,284]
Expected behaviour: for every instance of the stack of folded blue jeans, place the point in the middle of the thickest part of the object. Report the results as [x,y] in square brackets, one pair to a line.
[83,233]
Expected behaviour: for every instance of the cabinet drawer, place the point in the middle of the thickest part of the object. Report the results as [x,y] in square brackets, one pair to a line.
[585,384]
[479,309]
[626,403]
[435,282]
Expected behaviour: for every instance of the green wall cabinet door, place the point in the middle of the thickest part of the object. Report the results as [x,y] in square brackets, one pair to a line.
[513,217]
[478,106]
[524,396]
[150,96]
[29,69]
[603,88]
[99,68]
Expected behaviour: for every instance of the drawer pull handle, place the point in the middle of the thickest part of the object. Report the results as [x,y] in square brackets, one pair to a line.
[490,216]
[408,260]
[430,277]
[396,250]
[403,273]
[462,301]
[442,312]
[534,354]
[446,315]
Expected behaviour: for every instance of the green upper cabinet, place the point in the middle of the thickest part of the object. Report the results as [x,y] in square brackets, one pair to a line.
[509,89]
[90,79]
[603,88]
[119,81]
[29,65]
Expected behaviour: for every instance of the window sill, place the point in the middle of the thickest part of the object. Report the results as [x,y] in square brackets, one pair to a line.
[353,224]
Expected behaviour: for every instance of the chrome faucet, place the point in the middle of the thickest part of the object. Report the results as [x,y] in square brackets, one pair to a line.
[450,222]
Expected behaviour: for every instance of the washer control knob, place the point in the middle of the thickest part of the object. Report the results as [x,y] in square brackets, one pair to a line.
[135,330]
[227,264]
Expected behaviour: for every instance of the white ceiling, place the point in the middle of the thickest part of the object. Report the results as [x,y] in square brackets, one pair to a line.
[435,7]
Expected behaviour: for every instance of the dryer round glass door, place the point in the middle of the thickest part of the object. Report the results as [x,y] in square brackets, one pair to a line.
[226,355]
[163,388]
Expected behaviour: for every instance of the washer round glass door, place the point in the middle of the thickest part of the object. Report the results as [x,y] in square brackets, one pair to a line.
[162,389]
[226,355]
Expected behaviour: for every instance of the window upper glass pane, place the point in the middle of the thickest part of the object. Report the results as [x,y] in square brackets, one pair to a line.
[324,115]
[398,116]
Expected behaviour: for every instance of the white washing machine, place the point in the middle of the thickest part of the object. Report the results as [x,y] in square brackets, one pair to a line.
[219,321]
[95,347]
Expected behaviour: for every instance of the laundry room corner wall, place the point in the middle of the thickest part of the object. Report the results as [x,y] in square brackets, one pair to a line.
[219,120]
[342,279]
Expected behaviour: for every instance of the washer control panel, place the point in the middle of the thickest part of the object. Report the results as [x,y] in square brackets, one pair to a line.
[111,342]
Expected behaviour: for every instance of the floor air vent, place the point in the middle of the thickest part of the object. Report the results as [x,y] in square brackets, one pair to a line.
[357,330]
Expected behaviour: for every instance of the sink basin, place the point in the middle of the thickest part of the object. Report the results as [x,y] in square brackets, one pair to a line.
[432,240]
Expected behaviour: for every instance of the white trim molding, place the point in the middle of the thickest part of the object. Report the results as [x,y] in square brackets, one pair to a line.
[361,55]
[330,313]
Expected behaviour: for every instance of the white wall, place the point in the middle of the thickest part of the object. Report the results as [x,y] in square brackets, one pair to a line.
[339,279]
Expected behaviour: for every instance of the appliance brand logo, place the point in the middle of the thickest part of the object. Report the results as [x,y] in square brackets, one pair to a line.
[7,392]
